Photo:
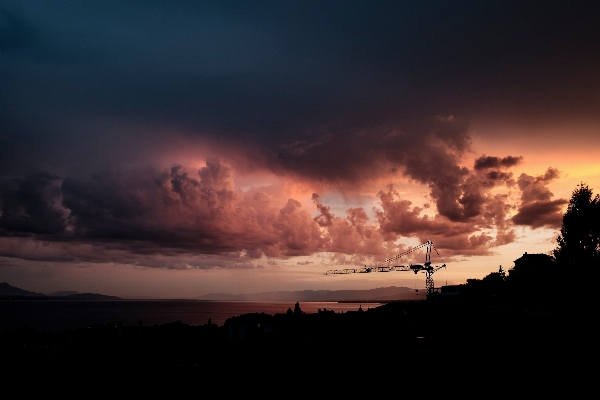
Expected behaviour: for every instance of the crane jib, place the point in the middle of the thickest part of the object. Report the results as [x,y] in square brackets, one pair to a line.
[386,267]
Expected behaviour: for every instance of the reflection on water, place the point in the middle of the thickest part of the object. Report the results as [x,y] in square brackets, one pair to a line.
[58,315]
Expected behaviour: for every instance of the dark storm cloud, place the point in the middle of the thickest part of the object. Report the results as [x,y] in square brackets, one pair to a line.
[486,162]
[541,213]
[29,206]
[429,154]
[534,188]
[498,175]
[175,209]
[466,207]
[114,215]
[537,209]
[325,217]
[398,217]
[133,216]
[139,216]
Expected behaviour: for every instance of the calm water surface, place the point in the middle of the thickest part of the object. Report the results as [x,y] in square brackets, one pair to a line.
[59,315]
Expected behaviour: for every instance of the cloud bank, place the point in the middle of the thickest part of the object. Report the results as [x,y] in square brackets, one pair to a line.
[140,216]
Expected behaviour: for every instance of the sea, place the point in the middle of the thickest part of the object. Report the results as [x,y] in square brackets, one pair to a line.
[61,315]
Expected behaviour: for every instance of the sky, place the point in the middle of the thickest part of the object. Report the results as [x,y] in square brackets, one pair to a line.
[174,149]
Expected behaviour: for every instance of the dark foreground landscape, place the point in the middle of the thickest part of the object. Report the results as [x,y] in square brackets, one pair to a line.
[520,323]
[458,337]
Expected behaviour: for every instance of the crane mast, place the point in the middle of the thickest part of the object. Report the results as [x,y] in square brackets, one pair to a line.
[386,267]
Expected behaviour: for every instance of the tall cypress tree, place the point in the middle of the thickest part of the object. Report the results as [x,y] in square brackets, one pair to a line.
[579,240]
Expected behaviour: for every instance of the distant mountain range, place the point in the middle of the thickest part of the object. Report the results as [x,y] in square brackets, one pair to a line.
[7,290]
[379,294]
[63,293]
[90,296]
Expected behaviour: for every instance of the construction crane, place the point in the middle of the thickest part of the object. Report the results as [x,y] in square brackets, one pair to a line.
[385,267]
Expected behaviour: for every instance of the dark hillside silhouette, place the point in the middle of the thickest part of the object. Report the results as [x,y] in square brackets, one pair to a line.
[8,290]
[90,296]
[63,293]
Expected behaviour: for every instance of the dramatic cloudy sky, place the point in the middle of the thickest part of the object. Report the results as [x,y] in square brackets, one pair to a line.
[177,148]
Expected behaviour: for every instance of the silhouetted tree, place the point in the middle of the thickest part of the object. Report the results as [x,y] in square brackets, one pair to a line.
[579,240]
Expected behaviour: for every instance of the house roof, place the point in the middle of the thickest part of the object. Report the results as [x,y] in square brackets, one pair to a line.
[533,259]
